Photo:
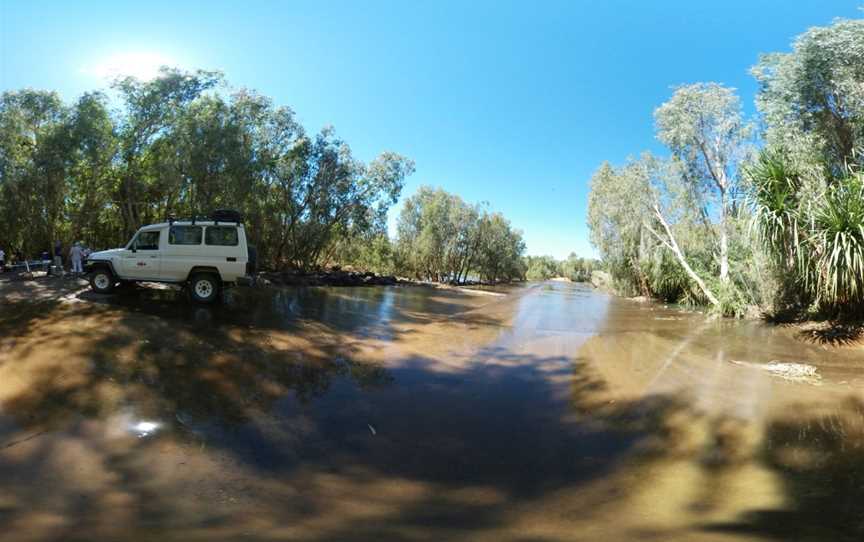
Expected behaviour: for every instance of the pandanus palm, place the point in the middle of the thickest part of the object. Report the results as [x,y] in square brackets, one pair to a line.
[782,220]
[837,243]
[775,187]
[816,241]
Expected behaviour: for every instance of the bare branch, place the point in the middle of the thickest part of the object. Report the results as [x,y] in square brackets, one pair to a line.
[676,250]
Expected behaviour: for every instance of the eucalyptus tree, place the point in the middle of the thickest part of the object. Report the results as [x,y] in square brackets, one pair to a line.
[674,206]
[617,213]
[703,125]
[663,226]
[186,150]
[369,251]
[220,154]
[578,269]
[573,268]
[332,190]
[150,111]
[641,208]
[36,149]
[429,232]
[500,250]
[806,187]
[812,98]
[93,178]
[542,268]
[179,144]
[440,237]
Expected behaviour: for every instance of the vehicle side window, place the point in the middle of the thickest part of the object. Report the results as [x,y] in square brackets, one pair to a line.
[184,235]
[147,240]
[225,236]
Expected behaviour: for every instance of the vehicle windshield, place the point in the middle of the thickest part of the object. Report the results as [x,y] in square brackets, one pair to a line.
[145,240]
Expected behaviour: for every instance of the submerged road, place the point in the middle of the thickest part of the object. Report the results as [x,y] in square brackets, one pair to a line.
[546,412]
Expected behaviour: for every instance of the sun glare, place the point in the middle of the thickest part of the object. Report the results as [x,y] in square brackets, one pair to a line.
[144,66]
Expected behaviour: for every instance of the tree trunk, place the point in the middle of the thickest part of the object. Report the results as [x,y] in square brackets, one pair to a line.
[672,245]
[724,240]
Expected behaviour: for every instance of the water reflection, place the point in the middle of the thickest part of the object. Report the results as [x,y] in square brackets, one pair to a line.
[554,413]
[145,428]
[365,311]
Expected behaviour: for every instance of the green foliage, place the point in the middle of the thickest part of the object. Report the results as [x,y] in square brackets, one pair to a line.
[373,252]
[774,193]
[796,241]
[442,238]
[664,278]
[837,244]
[624,226]
[702,124]
[542,268]
[578,269]
[617,213]
[813,231]
[177,147]
[34,159]
[812,98]
[666,228]
[573,268]
[780,216]
[500,248]
[734,302]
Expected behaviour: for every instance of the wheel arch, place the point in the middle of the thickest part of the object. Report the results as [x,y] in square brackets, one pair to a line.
[204,269]
[107,264]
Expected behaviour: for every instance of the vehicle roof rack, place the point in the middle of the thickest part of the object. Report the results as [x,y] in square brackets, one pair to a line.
[225,216]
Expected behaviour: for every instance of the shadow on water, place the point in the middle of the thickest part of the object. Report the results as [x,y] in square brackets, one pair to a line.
[818,452]
[193,366]
[442,452]
[835,334]
[206,384]
[365,312]
[278,409]
[499,436]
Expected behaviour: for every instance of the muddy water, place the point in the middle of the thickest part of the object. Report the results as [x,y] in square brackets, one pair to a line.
[545,412]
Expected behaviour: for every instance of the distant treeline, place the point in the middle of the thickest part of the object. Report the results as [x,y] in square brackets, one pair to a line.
[763,213]
[442,238]
[181,145]
[573,268]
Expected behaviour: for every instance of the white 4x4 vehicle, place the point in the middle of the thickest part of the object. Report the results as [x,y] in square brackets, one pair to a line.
[205,255]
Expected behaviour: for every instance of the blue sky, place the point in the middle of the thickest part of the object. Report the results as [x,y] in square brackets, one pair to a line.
[513,103]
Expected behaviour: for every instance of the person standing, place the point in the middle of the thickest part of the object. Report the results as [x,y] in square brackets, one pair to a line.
[76,254]
[58,257]
[2,261]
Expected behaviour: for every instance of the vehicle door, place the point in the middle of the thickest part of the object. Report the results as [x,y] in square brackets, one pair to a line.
[225,251]
[182,251]
[143,259]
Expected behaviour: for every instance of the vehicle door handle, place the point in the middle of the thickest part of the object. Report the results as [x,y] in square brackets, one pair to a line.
[231,259]
[154,256]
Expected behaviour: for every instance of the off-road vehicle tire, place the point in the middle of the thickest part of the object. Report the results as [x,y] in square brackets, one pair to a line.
[102,280]
[204,287]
